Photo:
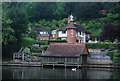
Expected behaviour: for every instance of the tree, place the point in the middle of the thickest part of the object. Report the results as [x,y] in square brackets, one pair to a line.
[110,32]
[8,38]
[14,22]
[51,16]
[32,34]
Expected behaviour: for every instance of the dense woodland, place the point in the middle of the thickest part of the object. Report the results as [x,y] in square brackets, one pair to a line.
[101,19]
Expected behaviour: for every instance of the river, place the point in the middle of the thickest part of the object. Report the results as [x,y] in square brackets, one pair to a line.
[10,72]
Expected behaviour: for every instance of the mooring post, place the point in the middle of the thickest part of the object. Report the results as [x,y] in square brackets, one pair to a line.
[53,65]
[65,62]
[78,63]
[65,65]
[14,57]
[42,65]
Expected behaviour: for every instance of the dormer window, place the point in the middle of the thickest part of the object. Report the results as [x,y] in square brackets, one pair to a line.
[80,33]
[63,32]
[41,32]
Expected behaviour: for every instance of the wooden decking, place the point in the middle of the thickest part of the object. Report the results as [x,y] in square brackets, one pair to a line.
[61,65]
[38,64]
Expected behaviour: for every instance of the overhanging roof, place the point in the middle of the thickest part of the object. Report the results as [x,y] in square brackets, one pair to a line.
[77,26]
[66,50]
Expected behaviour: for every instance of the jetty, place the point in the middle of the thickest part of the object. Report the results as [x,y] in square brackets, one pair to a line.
[39,64]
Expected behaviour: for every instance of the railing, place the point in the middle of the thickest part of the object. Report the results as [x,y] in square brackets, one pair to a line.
[22,56]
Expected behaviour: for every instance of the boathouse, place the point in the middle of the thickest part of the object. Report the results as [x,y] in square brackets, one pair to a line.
[66,53]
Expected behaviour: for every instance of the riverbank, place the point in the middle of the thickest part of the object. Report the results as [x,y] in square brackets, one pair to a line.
[25,64]
[39,64]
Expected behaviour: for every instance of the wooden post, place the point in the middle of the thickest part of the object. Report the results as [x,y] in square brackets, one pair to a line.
[48,59]
[22,74]
[53,65]
[80,59]
[65,62]
[78,62]
[23,57]
[53,62]
[65,73]
[14,57]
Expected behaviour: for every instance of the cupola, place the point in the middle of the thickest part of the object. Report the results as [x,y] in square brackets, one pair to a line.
[71,30]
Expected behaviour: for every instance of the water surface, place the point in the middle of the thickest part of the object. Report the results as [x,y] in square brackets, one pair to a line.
[10,72]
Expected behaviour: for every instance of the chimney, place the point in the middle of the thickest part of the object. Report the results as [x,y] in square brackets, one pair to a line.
[71,31]
[68,19]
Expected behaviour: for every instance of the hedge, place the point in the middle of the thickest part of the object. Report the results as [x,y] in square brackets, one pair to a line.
[57,41]
[36,50]
[114,55]
[44,47]
[103,45]
[46,42]
[42,42]
[26,41]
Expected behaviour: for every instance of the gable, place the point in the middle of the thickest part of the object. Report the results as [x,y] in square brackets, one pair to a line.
[85,51]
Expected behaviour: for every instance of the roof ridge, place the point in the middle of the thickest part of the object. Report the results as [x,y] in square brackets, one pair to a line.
[67,44]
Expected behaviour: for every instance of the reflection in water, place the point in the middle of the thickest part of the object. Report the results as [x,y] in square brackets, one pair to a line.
[58,73]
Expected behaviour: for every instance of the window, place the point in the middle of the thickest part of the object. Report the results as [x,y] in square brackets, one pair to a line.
[64,32]
[80,33]
[63,38]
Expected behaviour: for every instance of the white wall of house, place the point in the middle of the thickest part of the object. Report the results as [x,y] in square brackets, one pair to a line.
[54,32]
[61,34]
[84,38]
[82,35]
[87,35]
[43,32]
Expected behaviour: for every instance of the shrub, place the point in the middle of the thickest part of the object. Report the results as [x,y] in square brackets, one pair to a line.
[26,41]
[58,38]
[114,55]
[45,47]
[27,50]
[110,53]
[36,50]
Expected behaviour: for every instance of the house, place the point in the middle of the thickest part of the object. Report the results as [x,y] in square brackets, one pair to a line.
[66,53]
[82,35]
[42,35]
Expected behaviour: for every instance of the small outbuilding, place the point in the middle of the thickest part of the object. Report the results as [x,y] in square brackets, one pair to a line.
[65,53]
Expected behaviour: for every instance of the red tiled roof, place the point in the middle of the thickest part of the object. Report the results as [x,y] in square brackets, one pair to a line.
[85,51]
[65,50]
[78,27]
[70,25]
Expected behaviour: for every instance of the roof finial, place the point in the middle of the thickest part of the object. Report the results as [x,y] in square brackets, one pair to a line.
[71,17]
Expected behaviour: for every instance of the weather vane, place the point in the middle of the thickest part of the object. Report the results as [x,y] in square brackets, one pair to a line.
[71,18]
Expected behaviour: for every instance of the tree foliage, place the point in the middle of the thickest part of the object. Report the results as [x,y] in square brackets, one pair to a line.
[110,32]
[18,17]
